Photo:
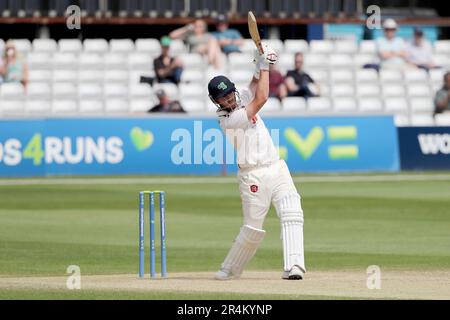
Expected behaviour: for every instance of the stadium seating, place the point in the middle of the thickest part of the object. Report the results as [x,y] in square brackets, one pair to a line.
[96,76]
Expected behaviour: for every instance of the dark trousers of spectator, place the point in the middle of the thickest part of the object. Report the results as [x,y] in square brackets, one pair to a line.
[175,77]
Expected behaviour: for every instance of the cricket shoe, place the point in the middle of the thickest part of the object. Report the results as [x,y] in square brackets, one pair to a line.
[296,273]
[224,274]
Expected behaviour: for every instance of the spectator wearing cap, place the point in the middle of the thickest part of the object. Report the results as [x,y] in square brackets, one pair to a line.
[200,41]
[229,40]
[14,68]
[442,98]
[391,49]
[165,104]
[167,68]
[420,52]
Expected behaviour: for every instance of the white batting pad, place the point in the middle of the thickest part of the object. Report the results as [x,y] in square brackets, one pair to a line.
[291,215]
[242,250]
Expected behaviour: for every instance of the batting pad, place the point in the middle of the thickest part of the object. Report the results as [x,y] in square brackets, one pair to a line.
[291,215]
[243,249]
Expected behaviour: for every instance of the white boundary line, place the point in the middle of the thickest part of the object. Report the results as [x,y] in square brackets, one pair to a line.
[220,180]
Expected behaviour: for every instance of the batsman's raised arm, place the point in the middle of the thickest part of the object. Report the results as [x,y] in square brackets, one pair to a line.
[259,86]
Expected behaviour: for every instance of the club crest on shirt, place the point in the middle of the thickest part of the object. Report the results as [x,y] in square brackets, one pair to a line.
[254,188]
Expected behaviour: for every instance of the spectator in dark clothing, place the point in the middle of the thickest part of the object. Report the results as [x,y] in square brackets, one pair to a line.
[298,82]
[165,105]
[167,68]
[277,88]
[442,98]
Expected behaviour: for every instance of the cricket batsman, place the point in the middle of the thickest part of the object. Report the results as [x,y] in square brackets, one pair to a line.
[263,177]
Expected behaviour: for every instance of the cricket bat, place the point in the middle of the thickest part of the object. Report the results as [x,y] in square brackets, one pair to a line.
[254,33]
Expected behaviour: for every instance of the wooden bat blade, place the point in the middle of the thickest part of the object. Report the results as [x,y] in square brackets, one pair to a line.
[254,33]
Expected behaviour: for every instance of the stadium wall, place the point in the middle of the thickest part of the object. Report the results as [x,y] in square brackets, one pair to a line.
[180,145]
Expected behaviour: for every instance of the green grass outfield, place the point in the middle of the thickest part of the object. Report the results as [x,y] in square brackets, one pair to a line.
[399,221]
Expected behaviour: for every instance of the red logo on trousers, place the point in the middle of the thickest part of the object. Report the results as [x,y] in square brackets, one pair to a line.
[254,188]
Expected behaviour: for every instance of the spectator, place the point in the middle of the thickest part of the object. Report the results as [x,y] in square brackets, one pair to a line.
[420,52]
[277,88]
[442,98]
[13,68]
[391,49]
[167,68]
[165,104]
[229,39]
[298,82]
[200,41]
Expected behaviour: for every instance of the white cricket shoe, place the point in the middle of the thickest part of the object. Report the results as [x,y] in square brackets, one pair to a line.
[296,273]
[223,274]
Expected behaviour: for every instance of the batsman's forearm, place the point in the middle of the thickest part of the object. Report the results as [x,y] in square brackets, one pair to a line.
[262,88]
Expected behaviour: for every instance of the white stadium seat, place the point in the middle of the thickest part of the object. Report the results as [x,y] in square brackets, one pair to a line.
[64,60]
[140,61]
[345,46]
[2,46]
[188,90]
[240,60]
[367,46]
[248,46]
[271,106]
[111,90]
[89,75]
[362,59]
[70,45]
[12,90]
[345,104]
[396,105]
[192,76]
[64,90]
[90,90]
[442,46]
[422,105]
[69,106]
[422,120]
[116,75]
[415,75]
[341,75]
[40,60]
[39,90]
[177,47]
[366,89]
[44,45]
[401,120]
[393,90]
[319,104]
[321,46]
[241,75]
[193,105]
[340,61]
[294,104]
[148,46]
[437,75]
[115,60]
[121,45]
[276,44]
[366,75]
[140,91]
[90,106]
[294,46]
[38,107]
[192,61]
[442,119]
[388,75]
[90,61]
[343,90]
[370,104]
[286,62]
[65,75]
[140,105]
[319,75]
[96,45]
[315,60]
[22,45]
[419,90]
[11,106]
[39,75]
[116,106]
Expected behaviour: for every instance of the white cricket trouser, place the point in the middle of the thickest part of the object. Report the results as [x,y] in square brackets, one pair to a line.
[261,186]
